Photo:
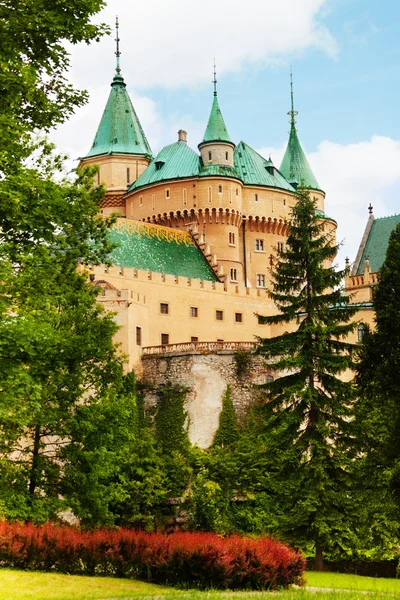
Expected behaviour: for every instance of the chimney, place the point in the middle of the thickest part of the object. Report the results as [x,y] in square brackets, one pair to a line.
[182,136]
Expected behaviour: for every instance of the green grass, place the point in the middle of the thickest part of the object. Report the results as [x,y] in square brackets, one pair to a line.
[23,585]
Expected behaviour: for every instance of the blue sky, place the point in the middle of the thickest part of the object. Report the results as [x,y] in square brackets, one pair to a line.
[345,57]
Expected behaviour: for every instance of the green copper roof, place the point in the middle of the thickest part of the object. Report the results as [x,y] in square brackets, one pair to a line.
[295,165]
[160,249]
[377,242]
[176,161]
[252,169]
[216,129]
[218,171]
[320,213]
[120,131]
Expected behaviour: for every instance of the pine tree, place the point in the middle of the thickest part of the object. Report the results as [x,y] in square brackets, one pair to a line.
[308,418]
[378,409]
[227,431]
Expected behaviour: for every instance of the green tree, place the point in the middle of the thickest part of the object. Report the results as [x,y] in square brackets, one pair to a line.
[112,472]
[227,431]
[308,415]
[56,356]
[378,407]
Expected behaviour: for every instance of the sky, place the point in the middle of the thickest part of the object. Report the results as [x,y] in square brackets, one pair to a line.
[345,57]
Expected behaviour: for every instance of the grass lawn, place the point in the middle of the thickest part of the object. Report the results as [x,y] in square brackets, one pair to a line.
[23,585]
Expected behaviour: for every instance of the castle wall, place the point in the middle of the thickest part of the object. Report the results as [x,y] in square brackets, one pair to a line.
[207,377]
[137,297]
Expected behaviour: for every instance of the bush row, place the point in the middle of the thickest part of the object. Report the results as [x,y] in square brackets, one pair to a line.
[202,560]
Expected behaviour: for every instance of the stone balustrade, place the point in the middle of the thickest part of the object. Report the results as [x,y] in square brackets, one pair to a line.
[198,348]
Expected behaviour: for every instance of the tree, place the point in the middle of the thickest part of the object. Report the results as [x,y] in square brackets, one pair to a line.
[36,96]
[378,383]
[308,416]
[227,432]
[56,356]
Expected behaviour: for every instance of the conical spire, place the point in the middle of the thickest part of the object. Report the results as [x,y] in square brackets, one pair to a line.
[295,167]
[120,131]
[216,130]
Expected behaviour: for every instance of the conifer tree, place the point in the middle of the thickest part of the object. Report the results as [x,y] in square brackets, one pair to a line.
[227,431]
[378,409]
[308,418]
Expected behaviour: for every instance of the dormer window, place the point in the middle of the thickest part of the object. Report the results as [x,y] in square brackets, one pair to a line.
[270,169]
[159,164]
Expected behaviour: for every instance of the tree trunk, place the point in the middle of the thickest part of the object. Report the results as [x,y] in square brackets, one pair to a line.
[35,461]
[319,558]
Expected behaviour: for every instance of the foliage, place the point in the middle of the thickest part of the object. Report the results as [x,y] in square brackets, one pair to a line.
[308,417]
[207,502]
[378,407]
[243,362]
[57,358]
[182,559]
[171,437]
[227,431]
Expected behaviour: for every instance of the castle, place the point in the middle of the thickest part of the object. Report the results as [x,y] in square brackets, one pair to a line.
[197,235]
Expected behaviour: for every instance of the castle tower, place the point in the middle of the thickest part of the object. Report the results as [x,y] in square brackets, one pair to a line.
[120,147]
[295,166]
[217,147]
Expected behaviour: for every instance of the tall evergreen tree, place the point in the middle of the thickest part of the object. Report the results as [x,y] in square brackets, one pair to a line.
[308,418]
[378,409]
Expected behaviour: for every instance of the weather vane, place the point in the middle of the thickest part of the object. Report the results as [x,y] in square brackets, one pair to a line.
[215,79]
[292,113]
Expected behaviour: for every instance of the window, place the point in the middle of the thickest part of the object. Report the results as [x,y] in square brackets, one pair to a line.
[209,156]
[138,336]
[219,315]
[140,200]
[265,378]
[361,329]
[226,156]
[256,197]
[238,317]
[184,197]
[167,193]
[98,177]
[280,246]
[153,201]
[233,275]
[284,202]
[194,339]
[210,194]
[128,176]
[164,339]
[260,320]
[259,246]
[164,308]
[230,195]
[220,189]
[194,311]
[231,238]
[260,280]
[237,191]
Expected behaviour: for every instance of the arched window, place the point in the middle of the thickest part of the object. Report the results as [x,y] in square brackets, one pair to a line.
[361,329]
[265,377]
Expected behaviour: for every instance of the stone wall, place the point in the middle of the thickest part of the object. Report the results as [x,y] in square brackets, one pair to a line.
[207,377]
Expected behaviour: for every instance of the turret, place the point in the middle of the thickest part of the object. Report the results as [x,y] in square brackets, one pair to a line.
[295,167]
[216,147]
[120,147]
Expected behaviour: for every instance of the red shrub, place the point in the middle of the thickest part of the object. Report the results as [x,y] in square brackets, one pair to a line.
[203,560]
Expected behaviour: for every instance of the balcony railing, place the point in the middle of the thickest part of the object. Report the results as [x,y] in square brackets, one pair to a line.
[199,348]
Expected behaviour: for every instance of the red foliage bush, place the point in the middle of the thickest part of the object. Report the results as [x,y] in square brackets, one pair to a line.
[202,560]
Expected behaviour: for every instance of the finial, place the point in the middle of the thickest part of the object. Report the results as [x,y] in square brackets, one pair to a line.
[370,208]
[117,52]
[215,79]
[292,113]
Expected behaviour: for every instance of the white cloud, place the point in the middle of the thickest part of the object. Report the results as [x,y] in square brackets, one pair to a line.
[353,176]
[173,43]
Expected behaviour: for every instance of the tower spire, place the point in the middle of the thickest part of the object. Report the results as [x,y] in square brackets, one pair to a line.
[292,113]
[215,79]
[117,52]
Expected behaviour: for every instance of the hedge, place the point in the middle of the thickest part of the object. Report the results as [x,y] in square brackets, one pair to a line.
[201,560]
